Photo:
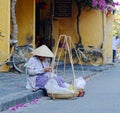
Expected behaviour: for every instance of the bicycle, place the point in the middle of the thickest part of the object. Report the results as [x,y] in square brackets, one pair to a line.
[18,57]
[92,56]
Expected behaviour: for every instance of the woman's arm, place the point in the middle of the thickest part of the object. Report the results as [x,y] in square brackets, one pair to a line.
[35,71]
[35,67]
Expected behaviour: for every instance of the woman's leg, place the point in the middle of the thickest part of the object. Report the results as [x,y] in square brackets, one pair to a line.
[41,81]
[114,55]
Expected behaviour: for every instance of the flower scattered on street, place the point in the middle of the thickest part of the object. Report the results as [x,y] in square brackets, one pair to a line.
[14,108]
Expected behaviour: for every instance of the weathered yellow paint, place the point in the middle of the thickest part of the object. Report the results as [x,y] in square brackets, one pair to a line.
[34,6]
[94,31]
[91,28]
[26,26]
[26,21]
[5,30]
[55,33]
[109,35]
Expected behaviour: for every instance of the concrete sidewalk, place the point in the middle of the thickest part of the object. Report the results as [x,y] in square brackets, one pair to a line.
[12,85]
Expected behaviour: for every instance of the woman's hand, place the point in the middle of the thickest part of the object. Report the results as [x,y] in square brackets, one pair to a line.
[48,69]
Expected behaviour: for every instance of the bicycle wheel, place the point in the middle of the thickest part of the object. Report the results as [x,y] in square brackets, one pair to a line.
[96,58]
[20,57]
[74,56]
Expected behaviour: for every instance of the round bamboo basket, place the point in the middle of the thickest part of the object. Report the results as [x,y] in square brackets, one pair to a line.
[67,96]
[62,96]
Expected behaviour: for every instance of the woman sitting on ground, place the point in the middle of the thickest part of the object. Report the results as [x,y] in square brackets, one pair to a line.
[39,69]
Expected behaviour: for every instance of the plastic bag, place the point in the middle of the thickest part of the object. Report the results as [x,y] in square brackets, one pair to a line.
[79,83]
[53,87]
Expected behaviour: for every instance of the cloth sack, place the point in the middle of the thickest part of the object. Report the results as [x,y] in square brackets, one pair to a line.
[79,83]
[53,87]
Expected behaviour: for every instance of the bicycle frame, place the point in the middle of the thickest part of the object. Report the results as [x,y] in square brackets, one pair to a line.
[17,57]
[91,56]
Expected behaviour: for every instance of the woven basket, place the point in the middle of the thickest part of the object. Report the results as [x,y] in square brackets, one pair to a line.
[66,96]
[62,96]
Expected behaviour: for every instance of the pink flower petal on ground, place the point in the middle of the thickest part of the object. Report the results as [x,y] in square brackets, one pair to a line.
[12,109]
[17,107]
[35,101]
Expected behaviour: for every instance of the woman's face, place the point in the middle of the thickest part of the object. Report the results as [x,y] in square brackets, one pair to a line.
[41,58]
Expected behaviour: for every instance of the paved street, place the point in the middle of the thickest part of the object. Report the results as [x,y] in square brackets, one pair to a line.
[102,96]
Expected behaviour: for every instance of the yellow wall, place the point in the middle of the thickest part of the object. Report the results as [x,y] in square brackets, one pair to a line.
[25,20]
[25,13]
[91,27]
[94,29]
[109,35]
[5,30]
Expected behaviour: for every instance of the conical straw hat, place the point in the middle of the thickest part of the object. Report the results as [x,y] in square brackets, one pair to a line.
[43,51]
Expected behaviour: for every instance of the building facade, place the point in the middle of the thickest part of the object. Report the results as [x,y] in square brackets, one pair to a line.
[37,21]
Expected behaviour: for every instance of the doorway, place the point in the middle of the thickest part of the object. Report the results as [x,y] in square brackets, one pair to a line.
[43,34]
